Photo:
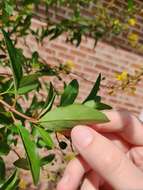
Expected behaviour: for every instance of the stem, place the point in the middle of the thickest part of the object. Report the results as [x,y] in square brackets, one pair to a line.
[71,145]
[33,120]
[16,153]
[57,137]
[12,115]
[7,91]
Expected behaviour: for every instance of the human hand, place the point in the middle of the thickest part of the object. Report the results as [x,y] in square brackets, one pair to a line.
[111,155]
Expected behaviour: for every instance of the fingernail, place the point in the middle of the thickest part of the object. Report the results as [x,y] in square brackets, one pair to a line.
[82,136]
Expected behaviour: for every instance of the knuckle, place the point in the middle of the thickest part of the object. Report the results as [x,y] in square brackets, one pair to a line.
[136,155]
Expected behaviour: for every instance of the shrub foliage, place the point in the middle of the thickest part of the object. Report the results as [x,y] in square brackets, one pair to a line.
[20,76]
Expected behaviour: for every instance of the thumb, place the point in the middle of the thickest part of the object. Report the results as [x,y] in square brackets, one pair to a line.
[106,159]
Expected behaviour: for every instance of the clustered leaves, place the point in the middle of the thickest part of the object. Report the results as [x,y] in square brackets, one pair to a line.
[33,120]
[64,117]
[41,118]
[101,24]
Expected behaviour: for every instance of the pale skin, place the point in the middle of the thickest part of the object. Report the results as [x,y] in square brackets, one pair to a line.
[110,155]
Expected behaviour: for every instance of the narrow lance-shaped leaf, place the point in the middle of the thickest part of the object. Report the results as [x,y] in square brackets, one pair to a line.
[2,170]
[70,93]
[15,60]
[67,117]
[46,137]
[92,95]
[130,5]
[47,159]
[22,162]
[11,183]
[50,95]
[4,148]
[97,105]
[28,83]
[4,119]
[49,101]
[31,153]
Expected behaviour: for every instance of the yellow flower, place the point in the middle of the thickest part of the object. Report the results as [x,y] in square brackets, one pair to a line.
[30,6]
[132,22]
[122,77]
[116,22]
[22,184]
[70,64]
[69,157]
[133,37]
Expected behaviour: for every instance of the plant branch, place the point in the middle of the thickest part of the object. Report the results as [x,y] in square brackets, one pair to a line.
[16,153]
[30,119]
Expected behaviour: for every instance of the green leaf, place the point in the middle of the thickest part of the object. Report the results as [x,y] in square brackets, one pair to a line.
[41,143]
[102,106]
[31,153]
[12,128]
[70,93]
[5,119]
[9,8]
[4,148]
[69,116]
[34,104]
[130,5]
[15,60]
[28,83]
[11,183]
[55,32]
[47,159]
[97,99]
[97,105]
[49,101]
[50,97]
[92,95]
[22,163]
[46,137]
[2,170]
[26,2]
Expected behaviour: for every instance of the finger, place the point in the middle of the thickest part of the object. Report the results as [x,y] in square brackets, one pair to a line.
[91,181]
[73,174]
[106,159]
[127,126]
[136,155]
[78,167]
[118,141]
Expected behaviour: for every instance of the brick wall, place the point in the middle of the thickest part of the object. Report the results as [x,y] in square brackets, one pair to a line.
[60,13]
[89,62]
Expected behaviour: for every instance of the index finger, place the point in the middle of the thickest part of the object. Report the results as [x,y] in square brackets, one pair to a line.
[125,124]
[106,159]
